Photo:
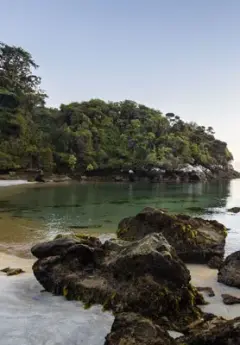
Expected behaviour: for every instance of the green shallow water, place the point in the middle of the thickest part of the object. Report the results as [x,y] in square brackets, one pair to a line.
[99,207]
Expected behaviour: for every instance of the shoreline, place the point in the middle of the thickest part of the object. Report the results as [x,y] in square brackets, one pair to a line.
[117,176]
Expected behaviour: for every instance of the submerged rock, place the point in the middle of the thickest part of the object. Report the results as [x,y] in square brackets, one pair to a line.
[133,329]
[196,240]
[12,271]
[144,277]
[229,273]
[229,300]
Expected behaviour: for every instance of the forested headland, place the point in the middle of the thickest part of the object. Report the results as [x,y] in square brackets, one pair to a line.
[91,135]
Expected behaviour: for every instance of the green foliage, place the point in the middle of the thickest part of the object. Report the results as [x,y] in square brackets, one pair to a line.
[91,135]
[72,160]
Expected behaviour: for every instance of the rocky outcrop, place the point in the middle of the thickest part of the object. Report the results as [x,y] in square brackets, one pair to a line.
[133,329]
[145,277]
[215,332]
[229,273]
[229,300]
[195,240]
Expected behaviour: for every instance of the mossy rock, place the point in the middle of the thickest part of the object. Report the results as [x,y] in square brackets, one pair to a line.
[196,240]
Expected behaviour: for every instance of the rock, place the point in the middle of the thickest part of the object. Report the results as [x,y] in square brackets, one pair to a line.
[206,289]
[131,329]
[63,178]
[228,299]
[12,271]
[234,209]
[216,332]
[215,262]
[53,248]
[144,277]
[196,240]
[229,273]
[40,176]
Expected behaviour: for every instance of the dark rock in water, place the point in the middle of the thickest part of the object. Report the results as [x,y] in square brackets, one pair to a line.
[229,273]
[144,277]
[40,176]
[196,240]
[12,271]
[206,289]
[234,209]
[229,300]
[215,262]
[216,332]
[130,329]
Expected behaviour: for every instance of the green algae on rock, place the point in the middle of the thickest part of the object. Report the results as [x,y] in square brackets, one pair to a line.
[144,277]
[133,329]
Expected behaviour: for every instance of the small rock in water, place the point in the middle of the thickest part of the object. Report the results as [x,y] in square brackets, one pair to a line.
[234,209]
[12,271]
[229,300]
[206,289]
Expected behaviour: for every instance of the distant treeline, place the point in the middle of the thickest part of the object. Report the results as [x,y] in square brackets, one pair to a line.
[91,135]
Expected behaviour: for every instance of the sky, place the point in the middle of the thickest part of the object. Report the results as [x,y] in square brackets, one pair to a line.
[180,56]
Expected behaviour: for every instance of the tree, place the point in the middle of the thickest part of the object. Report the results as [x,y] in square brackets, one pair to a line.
[92,134]
[72,160]
[16,74]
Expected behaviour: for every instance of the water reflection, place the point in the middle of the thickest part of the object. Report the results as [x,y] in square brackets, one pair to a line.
[59,207]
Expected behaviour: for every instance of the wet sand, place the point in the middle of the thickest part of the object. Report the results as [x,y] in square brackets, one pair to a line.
[202,276]
[12,261]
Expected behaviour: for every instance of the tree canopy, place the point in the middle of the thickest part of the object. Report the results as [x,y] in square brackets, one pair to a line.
[91,135]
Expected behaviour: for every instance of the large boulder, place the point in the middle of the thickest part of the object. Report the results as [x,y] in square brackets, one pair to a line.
[229,272]
[196,240]
[144,277]
[216,332]
[133,329]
